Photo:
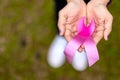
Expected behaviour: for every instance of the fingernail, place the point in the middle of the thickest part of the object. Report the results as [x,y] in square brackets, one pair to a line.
[60,32]
[106,37]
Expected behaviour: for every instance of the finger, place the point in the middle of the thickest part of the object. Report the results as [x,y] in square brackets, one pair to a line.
[81,48]
[88,18]
[61,23]
[85,21]
[98,36]
[68,35]
[108,27]
[74,34]
[99,29]
[74,28]
[72,19]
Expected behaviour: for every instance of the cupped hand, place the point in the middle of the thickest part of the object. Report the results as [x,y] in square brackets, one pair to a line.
[69,16]
[97,10]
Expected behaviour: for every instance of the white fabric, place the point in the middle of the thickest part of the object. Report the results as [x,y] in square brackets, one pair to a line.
[79,61]
[56,57]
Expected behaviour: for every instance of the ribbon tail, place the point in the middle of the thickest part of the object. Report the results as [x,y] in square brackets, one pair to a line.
[72,47]
[91,51]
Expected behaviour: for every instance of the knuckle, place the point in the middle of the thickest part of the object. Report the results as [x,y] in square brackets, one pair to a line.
[100,35]
[100,22]
[100,19]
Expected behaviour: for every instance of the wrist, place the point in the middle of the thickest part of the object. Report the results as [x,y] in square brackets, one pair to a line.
[76,1]
[104,2]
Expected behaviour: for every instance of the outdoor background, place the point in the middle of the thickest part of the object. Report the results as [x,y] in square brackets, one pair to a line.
[26,30]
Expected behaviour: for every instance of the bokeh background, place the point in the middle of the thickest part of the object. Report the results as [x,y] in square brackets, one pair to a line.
[27,28]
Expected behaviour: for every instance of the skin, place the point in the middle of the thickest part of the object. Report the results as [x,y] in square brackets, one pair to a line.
[69,16]
[95,9]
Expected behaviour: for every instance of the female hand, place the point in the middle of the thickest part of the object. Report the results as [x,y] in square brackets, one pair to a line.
[97,10]
[69,16]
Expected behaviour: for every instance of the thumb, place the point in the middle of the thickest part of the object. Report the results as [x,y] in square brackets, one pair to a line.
[68,33]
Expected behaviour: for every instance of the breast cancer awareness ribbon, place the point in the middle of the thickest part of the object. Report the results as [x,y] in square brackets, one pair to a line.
[84,37]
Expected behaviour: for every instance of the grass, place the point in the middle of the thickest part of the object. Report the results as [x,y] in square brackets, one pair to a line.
[26,31]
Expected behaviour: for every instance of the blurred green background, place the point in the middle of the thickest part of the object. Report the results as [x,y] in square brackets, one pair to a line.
[27,28]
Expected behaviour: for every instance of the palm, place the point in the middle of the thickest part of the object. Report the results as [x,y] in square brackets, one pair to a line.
[100,14]
[72,14]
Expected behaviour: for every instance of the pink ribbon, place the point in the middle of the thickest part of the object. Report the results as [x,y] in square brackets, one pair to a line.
[83,38]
